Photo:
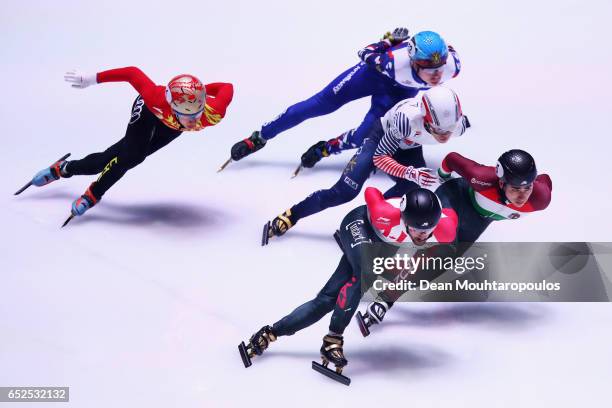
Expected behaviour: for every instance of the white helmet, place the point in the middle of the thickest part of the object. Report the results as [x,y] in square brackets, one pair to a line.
[441,110]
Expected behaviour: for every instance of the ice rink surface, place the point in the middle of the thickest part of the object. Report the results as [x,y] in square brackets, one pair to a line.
[141,302]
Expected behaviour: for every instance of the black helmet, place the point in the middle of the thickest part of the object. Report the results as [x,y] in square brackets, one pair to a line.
[421,209]
[516,167]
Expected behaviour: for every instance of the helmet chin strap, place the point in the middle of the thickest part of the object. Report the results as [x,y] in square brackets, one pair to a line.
[502,193]
[416,69]
[429,130]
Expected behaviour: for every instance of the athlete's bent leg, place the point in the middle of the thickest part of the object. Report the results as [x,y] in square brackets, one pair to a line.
[346,188]
[313,310]
[96,162]
[353,177]
[354,83]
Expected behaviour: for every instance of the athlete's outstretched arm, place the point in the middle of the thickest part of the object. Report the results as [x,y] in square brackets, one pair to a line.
[479,176]
[341,143]
[142,83]
[383,157]
[389,144]
[222,94]
[376,54]
[542,192]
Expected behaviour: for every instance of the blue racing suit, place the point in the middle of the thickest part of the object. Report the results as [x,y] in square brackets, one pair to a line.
[384,73]
[387,75]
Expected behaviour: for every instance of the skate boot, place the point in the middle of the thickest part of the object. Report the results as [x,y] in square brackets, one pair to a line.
[258,343]
[244,147]
[247,146]
[311,157]
[50,174]
[314,153]
[83,203]
[375,313]
[278,226]
[45,176]
[331,351]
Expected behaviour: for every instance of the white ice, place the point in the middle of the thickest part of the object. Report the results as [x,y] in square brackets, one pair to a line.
[143,301]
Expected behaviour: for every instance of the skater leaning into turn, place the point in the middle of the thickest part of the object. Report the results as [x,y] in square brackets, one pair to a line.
[394,146]
[408,125]
[159,115]
[418,219]
[393,69]
[432,119]
[510,190]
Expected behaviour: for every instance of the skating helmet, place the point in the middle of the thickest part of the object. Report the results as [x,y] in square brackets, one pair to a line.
[421,209]
[186,95]
[516,167]
[428,50]
[441,110]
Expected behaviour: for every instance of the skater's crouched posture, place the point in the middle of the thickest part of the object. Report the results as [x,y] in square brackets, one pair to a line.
[394,145]
[159,115]
[362,228]
[510,190]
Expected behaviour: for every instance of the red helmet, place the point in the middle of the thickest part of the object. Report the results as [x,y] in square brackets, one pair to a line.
[186,94]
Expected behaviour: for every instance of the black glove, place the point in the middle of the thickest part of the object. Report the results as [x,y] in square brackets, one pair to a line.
[314,153]
[398,35]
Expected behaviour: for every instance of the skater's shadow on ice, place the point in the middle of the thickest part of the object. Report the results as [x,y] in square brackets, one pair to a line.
[388,359]
[175,215]
[314,236]
[495,315]
[168,214]
[392,359]
[290,166]
[55,194]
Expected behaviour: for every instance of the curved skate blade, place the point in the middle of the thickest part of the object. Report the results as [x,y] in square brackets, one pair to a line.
[265,235]
[246,360]
[68,220]
[363,327]
[22,189]
[224,165]
[29,183]
[331,373]
[297,171]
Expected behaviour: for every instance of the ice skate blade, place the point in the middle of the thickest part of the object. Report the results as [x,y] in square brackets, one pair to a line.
[363,327]
[246,360]
[265,235]
[22,189]
[29,183]
[224,165]
[70,217]
[297,171]
[331,373]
